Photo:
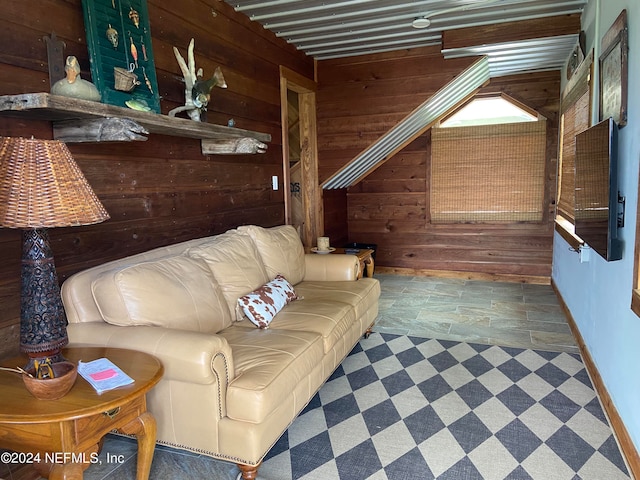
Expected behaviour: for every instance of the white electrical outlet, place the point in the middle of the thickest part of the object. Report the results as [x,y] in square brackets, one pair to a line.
[585,253]
[274,182]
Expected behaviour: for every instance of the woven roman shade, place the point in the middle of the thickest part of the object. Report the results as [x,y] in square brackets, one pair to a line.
[41,186]
[575,118]
[488,173]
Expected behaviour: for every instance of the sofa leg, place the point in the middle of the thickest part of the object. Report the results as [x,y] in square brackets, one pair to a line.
[368,331]
[248,472]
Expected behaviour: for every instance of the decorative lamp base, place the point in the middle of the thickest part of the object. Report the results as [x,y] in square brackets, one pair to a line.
[43,322]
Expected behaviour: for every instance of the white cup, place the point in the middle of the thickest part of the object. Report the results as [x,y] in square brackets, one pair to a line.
[323,244]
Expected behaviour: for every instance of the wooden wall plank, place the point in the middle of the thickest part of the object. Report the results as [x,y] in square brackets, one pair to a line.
[335,208]
[511,31]
[360,99]
[163,190]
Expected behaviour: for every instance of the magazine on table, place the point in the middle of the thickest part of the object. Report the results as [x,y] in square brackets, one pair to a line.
[103,374]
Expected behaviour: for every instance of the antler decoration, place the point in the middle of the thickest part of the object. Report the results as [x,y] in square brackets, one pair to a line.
[197,92]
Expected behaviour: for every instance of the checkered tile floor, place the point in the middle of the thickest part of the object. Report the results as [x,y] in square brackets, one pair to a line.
[415,408]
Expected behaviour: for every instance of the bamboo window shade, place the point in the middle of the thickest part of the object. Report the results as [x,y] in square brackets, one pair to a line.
[575,115]
[488,173]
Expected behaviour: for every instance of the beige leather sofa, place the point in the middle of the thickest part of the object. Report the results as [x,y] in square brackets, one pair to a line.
[230,389]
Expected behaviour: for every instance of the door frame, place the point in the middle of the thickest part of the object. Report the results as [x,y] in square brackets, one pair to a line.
[311,192]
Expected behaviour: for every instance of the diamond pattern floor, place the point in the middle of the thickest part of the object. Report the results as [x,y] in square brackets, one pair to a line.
[464,380]
[411,407]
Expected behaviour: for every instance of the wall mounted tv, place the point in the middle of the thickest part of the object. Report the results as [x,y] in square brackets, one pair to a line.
[597,195]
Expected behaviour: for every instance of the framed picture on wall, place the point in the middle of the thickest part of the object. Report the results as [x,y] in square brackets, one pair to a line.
[613,72]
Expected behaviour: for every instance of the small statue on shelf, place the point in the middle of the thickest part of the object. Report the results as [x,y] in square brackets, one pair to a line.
[197,91]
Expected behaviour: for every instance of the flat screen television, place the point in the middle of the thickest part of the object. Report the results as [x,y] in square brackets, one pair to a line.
[596,207]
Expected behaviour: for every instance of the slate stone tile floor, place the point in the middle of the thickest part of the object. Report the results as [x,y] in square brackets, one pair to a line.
[506,314]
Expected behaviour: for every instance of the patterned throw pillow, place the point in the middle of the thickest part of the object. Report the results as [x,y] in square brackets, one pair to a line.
[261,305]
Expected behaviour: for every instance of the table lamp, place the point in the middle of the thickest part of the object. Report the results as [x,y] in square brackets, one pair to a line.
[41,187]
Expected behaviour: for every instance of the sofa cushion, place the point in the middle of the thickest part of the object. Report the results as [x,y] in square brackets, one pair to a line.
[280,249]
[175,292]
[261,305]
[269,365]
[329,318]
[236,265]
[361,294]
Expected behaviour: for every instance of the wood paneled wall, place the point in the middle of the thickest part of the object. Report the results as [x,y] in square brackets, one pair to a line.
[163,190]
[359,99]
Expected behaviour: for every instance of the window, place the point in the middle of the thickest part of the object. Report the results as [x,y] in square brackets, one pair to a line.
[492,170]
[489,111]
[575,118]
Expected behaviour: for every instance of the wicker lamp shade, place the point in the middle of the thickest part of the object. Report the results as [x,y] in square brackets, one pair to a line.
[43,187]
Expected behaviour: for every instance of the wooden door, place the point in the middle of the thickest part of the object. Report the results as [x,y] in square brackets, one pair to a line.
[303,200]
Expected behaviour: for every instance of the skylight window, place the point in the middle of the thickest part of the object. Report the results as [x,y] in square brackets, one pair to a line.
[488,111]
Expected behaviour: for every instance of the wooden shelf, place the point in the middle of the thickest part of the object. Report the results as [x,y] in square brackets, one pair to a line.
[76,120]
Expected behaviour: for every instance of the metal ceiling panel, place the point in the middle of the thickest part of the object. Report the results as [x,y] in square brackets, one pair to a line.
[518,57]
[345,28]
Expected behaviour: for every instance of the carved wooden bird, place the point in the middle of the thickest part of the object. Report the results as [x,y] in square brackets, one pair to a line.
[201,91]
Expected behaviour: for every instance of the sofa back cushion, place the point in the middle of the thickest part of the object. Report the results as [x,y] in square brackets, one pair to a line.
[280,249]
[176,292]
[235,264]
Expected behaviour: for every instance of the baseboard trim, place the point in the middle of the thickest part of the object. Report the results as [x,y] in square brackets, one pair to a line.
[487,277]
[620,431]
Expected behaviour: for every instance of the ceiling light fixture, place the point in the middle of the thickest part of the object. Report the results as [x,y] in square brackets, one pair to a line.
[424,21]
[421,22]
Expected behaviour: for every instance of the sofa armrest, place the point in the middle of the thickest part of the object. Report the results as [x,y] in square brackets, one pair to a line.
[333,267]
[186,356]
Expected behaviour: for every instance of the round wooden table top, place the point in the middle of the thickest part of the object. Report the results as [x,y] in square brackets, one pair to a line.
[17,405]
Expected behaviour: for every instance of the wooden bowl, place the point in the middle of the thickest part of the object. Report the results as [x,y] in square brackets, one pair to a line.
[52,388]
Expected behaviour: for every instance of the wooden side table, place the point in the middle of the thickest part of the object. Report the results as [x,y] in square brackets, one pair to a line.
[365,257]
[61,437]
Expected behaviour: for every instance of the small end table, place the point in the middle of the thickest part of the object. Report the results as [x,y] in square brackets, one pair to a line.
[365,257]
[62,437]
